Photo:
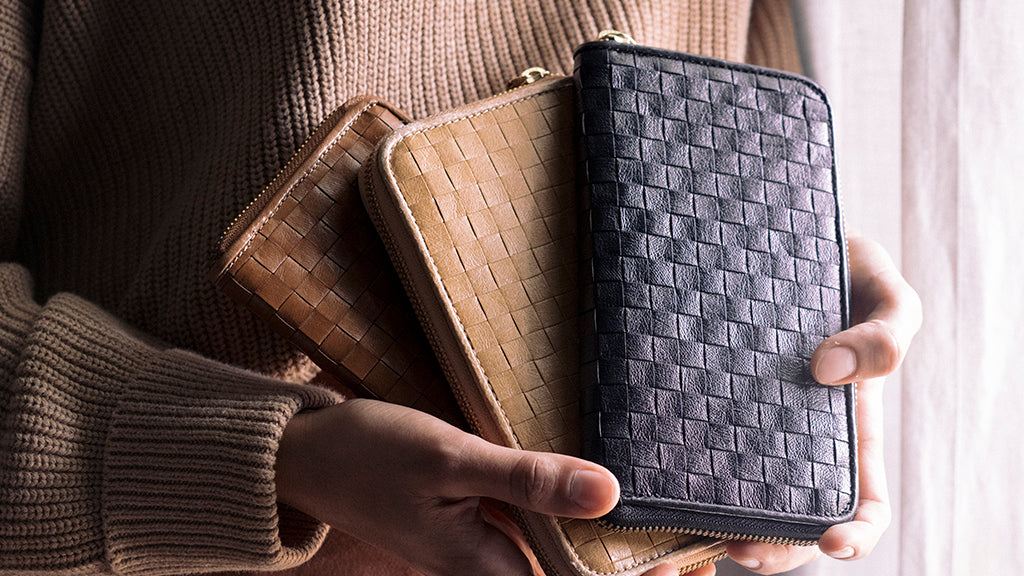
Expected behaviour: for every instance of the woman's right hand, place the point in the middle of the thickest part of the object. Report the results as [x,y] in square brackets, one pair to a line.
[412,484]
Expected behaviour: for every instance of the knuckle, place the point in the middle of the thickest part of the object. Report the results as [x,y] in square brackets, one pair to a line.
[447,459]
[877,514]
[902,296]
[886,351]
[532,480]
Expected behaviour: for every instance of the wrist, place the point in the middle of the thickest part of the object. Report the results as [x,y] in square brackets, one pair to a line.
[290,465]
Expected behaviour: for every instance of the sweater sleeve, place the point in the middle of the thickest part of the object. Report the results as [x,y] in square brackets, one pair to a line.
[119,456]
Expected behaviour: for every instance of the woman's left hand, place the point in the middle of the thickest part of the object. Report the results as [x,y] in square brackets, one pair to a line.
[886,313]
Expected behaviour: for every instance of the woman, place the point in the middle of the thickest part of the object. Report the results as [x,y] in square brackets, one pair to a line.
[149,426]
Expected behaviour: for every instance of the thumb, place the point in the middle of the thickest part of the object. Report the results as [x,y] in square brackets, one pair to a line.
[888,312]
[542,482]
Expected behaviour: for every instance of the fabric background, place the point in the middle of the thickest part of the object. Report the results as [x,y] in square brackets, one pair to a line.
[928,117]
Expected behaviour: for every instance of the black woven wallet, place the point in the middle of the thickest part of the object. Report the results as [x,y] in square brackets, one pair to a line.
[713,265]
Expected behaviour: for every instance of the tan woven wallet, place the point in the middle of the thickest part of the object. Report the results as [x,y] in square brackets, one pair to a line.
[305,257]
[476,207]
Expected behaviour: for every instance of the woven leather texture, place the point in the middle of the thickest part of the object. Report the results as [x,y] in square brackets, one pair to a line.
[488,195]
[715,267]
[311,264]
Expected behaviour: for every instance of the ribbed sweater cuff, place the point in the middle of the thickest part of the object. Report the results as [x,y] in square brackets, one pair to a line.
[119,455]
[189,466]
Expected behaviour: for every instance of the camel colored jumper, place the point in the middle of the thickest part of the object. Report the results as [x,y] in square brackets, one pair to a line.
[140,410]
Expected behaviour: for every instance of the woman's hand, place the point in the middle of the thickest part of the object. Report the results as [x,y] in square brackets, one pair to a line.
[412,484]
[422,489]
[886,314]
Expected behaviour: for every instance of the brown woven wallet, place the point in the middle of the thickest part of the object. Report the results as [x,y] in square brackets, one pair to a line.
[305,257]
[477,209]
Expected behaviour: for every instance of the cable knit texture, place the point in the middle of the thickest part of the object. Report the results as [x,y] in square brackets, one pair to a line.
[131,134]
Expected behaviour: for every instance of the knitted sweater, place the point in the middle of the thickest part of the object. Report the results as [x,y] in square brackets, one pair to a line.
[140,410]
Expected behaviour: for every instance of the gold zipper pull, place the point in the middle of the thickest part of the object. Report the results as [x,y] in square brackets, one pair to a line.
[615,36]
[531,75]
[528,76]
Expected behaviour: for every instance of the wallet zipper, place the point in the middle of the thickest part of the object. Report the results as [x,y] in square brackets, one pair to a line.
[615,36]
[528,76]
[703,563]
[240,222]
[711,534]
[547,565]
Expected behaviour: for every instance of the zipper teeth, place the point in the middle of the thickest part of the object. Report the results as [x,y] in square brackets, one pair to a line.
[231,232]
[550,568]
[699,565]
[712,534]
[538,551]
[373,207]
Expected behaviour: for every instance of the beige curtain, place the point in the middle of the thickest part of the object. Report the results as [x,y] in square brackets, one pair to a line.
[929,112]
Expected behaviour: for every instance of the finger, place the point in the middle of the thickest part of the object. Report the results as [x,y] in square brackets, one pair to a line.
[482,549]
[770,558]
[494,513]
[887,315]
[542,482]
[858,538]
[497,555]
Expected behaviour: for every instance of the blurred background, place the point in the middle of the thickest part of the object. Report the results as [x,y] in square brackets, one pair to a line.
[929,121]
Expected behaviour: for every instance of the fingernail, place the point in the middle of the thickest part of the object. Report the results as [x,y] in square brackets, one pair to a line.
[843,553]
[837,364]
[591,490]
[749,563]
